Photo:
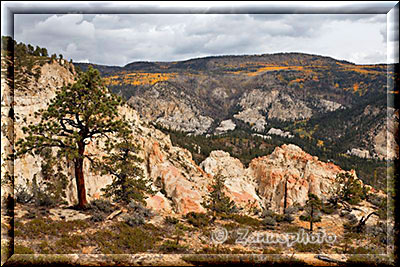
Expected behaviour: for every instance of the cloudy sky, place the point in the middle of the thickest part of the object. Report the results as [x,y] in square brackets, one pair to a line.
[114,39]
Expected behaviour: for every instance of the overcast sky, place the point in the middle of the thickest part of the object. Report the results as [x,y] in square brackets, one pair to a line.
[114,39]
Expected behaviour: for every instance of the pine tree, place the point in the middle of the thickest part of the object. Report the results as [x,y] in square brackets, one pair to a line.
[30,49]
[217,201]
[349,188]
[44,52]
[313,205]
[37,51]
[78,114]
[122,162]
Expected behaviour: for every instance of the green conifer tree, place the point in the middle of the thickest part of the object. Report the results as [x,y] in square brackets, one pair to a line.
[217,202]
[122,162]
[313,205]
[78,114]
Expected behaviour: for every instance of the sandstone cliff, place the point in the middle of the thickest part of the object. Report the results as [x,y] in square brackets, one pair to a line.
[263,182]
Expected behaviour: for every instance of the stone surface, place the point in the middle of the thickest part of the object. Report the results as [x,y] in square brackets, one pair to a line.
[263,182]
[279,132]
[304,174]
[67,214]
[224,126]
[362,153]
[239,185]
[252,117]
[164,104]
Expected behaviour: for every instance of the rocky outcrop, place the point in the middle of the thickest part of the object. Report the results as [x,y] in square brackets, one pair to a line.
[171,109]
[7,128]
[384,142]
[253,118]
[263,182]
[224,126]
[279,132]
[289,166]
[239,184]
[276,104]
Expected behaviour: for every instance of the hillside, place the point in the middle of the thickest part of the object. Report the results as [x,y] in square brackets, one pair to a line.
[334,109]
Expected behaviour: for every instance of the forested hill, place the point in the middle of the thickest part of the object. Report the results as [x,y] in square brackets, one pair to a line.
[332,108]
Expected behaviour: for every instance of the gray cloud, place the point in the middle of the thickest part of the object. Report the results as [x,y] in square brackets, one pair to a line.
[118,39]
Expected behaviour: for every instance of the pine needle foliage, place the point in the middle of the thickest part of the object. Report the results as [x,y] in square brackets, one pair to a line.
[79,114]
[217,201]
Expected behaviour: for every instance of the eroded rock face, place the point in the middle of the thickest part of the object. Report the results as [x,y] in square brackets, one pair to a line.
[170,108]
[239,184]
[29,99]
[304,174]
[384,141]
[224,126]
[252,117]
[276,104]
[263,182]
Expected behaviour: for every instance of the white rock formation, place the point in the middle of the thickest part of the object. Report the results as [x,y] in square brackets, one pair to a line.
[279,132]
[224,126]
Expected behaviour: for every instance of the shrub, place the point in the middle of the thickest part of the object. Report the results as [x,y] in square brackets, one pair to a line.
[307,218]
[97,217]
[268,213]
[134,219]
[124,239]
[102,205]
[269,221]
[246,220]
[67,244]
[45,200]
[20,249]
[138,208]
[172,246]
[351,218]
[382,210]
[197,219]
[328,208]
[291,210]
[22,195]
[375,199]
[40,227]
[171,220]
[288,218]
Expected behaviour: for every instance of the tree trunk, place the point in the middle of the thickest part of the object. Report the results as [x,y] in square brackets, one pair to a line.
[311,219]
[80,180]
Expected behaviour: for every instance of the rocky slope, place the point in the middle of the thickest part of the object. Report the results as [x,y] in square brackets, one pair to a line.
[300,91]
